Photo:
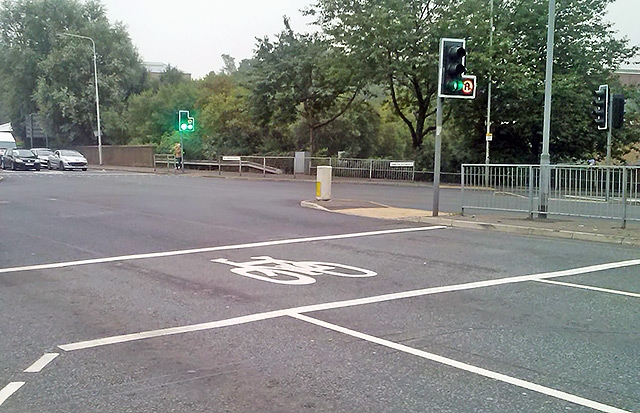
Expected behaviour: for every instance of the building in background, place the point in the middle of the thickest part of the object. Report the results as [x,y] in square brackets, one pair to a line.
[630,76]
[156,69]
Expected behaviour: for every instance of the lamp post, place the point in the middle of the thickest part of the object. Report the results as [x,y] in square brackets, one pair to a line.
[545,159]
[95,75]
[488,136]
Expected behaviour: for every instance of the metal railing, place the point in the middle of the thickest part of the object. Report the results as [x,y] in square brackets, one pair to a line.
[163,160]
[384,169]
[611,192]
[401,170]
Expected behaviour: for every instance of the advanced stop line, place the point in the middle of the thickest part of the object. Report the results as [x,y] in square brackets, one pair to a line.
[132,257]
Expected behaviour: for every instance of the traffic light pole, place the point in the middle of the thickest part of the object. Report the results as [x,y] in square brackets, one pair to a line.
[608,159]
[609,132]
[436,156]
[181,153]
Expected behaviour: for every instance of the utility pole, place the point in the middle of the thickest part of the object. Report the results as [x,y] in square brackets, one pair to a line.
[95,74]
[545,159]
[488,135]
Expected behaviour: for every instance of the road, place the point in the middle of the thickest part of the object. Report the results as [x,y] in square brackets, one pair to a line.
[124,292]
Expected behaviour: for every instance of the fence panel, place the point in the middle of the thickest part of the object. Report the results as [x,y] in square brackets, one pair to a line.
[278,165]
[366,168]
[498,187]
[590,191]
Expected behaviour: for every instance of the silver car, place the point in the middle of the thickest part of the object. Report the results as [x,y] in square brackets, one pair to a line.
[43,155]
[67,159]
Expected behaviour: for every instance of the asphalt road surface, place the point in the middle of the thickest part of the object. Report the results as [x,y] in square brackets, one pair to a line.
[124,292]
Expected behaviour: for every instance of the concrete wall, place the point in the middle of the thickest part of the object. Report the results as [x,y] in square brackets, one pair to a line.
[119,155]
[629,76]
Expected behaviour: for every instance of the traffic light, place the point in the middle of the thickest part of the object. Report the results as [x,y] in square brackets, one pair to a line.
[617,111]
[186,123]
[452,81]
[601,112]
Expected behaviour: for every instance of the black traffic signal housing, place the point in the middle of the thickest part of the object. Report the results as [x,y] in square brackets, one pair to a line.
[601,111]
[452,81]
[617,111]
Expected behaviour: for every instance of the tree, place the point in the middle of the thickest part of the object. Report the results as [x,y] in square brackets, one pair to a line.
[301,76]
[54,76]
[223,107]
[151,115]
[396,43]
[586,53]
[229,65]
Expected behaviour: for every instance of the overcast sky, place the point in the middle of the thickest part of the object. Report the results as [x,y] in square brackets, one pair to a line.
[192,34]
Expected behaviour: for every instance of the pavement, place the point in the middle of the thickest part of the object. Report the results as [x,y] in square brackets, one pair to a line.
[577,228]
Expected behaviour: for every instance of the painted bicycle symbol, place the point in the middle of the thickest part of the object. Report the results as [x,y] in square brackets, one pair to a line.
[278,271]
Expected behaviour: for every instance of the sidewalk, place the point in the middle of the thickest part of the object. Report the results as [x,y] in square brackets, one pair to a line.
[579,228]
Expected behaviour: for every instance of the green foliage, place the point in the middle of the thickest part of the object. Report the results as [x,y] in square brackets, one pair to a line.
[192,144]
[586,53]
[54,75]
[307,91]
[151,115]
[222,104]
[396,43]
[300,77]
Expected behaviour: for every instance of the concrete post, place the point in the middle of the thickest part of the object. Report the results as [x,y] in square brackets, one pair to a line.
[323,183]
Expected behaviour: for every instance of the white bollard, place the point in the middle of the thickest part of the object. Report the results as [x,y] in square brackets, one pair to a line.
[323,183]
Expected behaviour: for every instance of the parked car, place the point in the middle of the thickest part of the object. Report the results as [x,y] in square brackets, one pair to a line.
[43,155]
[20,159]
[67,159]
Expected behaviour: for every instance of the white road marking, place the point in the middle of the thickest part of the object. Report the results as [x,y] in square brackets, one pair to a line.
[212,249]
[464,366]
[341,304]
[588,287]
[9,389]
[41,363]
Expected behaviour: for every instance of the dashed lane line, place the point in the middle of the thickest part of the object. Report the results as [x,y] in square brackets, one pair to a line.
[41,363]
[9,389]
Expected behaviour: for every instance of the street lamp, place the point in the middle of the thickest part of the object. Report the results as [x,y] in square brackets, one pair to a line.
[545,158]
[95,74]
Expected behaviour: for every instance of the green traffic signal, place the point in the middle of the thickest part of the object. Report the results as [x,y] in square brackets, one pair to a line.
[186,123]
[452,80]
[455,85]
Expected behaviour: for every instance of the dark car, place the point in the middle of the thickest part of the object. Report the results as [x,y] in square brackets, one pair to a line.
[43,155]
[20,159]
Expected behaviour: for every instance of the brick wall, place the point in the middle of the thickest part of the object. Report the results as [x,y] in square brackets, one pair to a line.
[119,155]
